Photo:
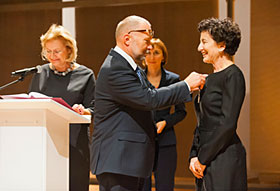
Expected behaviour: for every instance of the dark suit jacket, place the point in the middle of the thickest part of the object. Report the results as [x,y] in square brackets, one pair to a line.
[167,137]
[124,131]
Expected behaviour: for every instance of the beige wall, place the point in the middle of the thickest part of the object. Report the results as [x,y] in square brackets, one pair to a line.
[265,77]
[242,15]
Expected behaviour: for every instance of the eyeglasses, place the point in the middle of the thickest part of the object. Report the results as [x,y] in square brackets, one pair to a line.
[149,31]
[54,52]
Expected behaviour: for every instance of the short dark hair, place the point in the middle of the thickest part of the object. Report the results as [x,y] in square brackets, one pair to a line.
[223,30]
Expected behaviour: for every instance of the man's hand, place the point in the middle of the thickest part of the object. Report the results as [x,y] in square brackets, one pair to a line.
[160,126]
[195,81]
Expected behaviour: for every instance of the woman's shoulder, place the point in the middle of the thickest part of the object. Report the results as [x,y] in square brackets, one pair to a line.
[234,70]
[169,77]
[45,68]
[231,70]
[170,74]
[233,74]
[83,68]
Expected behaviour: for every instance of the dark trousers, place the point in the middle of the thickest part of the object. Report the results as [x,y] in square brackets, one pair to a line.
[165,172]
[119,182]
[79,163]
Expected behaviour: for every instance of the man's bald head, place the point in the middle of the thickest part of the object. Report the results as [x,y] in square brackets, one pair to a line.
[129,23]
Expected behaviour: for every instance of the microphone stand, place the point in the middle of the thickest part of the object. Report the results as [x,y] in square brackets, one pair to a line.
[21,78]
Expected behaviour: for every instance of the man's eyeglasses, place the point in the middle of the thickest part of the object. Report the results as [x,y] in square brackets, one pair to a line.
[149,31]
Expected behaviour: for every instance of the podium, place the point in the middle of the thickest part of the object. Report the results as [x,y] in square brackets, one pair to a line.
[34,144]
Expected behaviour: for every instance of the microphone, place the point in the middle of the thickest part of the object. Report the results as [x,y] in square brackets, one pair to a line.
[26,71]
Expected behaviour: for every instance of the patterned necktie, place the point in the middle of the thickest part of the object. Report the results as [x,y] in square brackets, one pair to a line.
[138,72]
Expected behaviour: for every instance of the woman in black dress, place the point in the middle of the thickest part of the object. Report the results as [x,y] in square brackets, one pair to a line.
[164,174]
[75,83]
[217,157]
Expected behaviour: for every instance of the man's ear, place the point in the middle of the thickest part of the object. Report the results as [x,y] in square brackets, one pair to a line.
[126,39]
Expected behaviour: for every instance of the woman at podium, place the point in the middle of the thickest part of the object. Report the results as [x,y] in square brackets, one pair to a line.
[75,83]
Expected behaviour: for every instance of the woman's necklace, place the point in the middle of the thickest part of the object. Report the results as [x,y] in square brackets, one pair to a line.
[70,69]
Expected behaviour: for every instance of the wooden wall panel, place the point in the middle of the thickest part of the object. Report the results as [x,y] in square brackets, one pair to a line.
[5,2]
[20,43]
[265,70]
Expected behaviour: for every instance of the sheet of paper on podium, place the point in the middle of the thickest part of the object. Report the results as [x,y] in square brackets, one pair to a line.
[36,95]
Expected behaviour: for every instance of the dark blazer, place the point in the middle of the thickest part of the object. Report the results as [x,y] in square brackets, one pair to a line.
[124,130]
[167,136]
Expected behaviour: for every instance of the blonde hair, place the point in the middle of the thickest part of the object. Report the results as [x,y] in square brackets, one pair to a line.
[59,32]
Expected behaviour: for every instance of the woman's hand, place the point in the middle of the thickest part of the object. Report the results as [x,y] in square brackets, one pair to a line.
[79,108]
[160,126]
[200,166]
[196,167]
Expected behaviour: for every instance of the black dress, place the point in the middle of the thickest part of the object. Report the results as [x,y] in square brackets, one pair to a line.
[216,143]
[77,87]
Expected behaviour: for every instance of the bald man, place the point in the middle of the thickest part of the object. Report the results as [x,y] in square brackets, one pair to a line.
[123,149]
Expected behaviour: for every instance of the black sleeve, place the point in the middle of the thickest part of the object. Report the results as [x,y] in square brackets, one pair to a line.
[89,93]
[195,144]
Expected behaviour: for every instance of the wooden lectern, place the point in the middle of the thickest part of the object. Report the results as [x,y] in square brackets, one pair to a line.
[34,144]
